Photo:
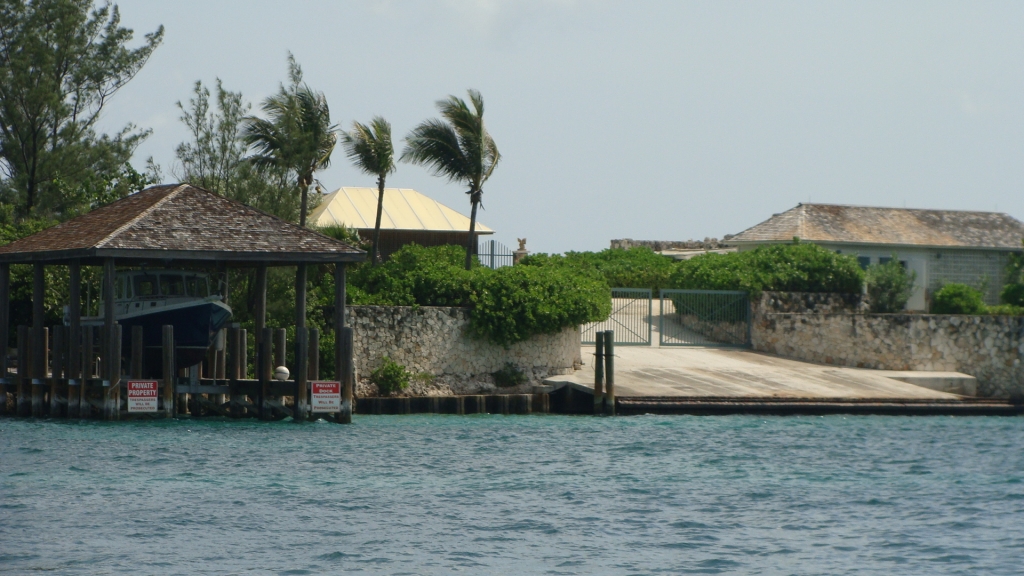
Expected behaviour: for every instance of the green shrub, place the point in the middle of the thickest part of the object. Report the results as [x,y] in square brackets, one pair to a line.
[509,376]
[390,377]
[889,286]
[507,305]
[1012,294]
[1005,310]
[511,304]
[638,267]
[793,267]
[958,299]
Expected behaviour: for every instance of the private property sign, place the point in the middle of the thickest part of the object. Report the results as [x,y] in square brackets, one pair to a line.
[142,395]
[326,397]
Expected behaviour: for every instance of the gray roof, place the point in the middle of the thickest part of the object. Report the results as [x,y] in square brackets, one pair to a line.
[834,223]
[179,222]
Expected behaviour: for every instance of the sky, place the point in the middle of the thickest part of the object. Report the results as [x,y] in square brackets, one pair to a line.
[647,120]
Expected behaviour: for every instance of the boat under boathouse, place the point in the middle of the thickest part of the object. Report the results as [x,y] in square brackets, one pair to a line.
[114,366]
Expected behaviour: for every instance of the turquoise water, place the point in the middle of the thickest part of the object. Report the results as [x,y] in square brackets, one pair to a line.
[515,495]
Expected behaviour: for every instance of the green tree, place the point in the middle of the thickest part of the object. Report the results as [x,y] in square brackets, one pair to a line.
[297,136]
[62,61]
[459,148]
[214,157]
[370,149]
[889,286]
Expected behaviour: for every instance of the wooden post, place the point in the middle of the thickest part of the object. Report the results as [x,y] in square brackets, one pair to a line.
[343,344]
[263,372]
[111,364]
[233,362]
[347,375]
[38,344]
[599,374]
[313,370]
[168,370]
[609,372]
[300,409]
[137,352]
[5,326]
[280,348]
[57,399]
[23,406]
[260,312]
[88,370]
[74,336]
[243,354]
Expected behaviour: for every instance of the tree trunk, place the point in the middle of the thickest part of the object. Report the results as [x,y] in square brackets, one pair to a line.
[375,257]
[474,197]
[303,199]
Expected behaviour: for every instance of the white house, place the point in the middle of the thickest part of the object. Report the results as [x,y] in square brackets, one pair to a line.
[941,246]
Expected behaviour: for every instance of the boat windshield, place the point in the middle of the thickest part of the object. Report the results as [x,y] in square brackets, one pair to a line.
[145,285]
[172,285]
[197,286]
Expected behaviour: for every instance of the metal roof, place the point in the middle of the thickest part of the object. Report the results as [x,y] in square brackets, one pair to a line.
[404,209]
[888,226]
[179,222]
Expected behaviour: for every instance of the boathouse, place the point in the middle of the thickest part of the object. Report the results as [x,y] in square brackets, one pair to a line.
[180,227]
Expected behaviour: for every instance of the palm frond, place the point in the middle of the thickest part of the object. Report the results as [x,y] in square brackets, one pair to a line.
[369,147]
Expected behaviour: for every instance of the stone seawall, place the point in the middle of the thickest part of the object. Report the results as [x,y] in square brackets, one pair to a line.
[434,342]
[986,347]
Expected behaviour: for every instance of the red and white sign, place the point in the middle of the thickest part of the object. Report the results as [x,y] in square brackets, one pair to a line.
[142,396]
[326,397]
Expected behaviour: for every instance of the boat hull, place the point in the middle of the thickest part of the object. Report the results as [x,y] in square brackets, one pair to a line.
[195,327]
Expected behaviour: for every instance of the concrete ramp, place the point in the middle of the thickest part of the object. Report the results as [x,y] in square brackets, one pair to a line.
[644,371]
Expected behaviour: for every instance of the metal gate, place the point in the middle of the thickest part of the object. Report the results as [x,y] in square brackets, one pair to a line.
[630,318]
[704,318]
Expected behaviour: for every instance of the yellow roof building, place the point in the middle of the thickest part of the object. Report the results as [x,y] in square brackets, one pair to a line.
[404,209]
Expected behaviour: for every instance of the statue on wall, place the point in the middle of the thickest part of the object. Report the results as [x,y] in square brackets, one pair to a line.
[522,243]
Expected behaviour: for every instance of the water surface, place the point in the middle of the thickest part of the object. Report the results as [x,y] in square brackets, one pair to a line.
[515,495]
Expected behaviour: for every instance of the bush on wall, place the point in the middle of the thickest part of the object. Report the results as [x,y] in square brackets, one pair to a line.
[638,267]
[889,286]
[796,267]
[958,299]
[508,305]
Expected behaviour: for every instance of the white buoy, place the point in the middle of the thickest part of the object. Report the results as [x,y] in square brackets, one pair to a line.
[281,373]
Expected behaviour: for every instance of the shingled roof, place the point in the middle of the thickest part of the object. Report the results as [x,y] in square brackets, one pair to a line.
[833,223]
[179,222]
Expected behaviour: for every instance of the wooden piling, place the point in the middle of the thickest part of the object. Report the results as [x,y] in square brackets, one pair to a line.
[300,408]
[5,326]
[136,368]
[58,398]
[347,376]
[38,336]
[313,366]
[264,371]
[111,347]
[235,408]
[243,354]
[599,374]
[23,405]
[169,381]
[74,337]
[521,404]
[88,370]
[280,348]
[609,372]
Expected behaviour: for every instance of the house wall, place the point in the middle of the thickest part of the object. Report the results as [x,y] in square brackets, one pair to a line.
[828,329]
[436,340]
[392,240]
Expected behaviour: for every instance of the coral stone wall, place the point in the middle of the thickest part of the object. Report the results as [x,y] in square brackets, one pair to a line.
[986,347]
[435,340]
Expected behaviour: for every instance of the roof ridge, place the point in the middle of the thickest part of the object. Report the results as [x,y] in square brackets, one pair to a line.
[140,216]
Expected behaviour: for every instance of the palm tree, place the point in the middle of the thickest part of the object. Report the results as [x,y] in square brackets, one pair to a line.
[370,149]
[458,148]
[297,134]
